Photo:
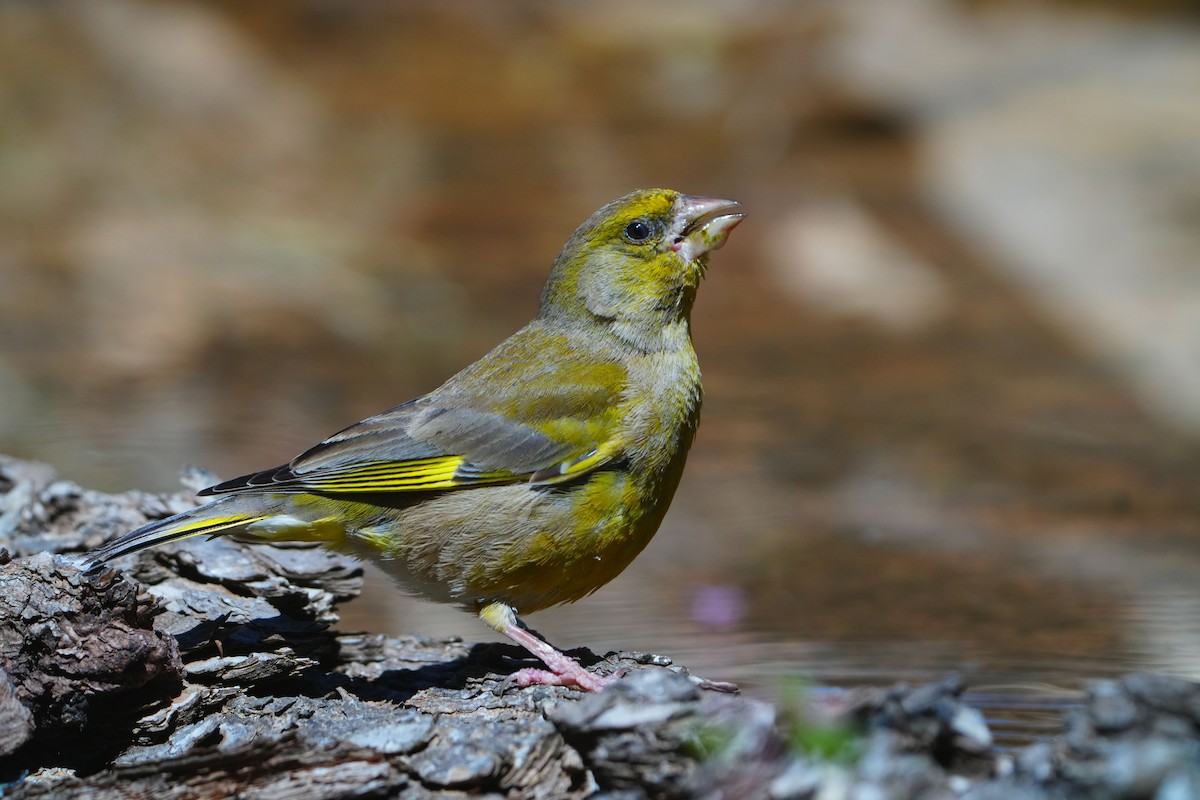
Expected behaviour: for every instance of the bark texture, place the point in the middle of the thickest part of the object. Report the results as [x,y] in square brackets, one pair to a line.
[211,670]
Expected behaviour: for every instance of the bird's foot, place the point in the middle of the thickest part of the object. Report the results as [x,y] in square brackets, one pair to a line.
[564,670]
[578,676]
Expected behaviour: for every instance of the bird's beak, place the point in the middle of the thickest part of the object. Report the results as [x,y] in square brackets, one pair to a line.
[704,224]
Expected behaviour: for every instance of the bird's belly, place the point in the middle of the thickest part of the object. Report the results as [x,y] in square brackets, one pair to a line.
[529,547]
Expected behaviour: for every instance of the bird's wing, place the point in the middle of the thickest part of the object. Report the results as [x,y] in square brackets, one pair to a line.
[454,439]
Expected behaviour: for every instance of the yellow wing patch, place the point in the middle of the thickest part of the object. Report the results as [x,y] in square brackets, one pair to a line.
[440,473]
[573,468]
[418,475]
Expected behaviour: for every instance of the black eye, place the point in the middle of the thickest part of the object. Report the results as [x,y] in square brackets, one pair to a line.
[638,231]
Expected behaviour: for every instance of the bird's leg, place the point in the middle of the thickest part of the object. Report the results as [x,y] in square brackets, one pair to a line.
[564,670]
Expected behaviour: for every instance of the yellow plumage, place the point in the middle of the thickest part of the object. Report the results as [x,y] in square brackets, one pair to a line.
[535,475]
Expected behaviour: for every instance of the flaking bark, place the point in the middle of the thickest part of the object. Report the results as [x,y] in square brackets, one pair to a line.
[217,674]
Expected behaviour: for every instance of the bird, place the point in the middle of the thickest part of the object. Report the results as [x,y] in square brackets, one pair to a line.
[535,475]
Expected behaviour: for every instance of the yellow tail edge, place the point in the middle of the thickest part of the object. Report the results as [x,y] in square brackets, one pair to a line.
[171,529]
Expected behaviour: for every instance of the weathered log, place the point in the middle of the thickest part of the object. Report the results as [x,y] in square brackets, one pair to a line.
[217,674]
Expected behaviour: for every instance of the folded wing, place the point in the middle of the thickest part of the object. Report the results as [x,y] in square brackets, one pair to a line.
[451,439]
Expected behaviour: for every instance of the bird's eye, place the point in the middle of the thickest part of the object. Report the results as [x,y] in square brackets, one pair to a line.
[638,231]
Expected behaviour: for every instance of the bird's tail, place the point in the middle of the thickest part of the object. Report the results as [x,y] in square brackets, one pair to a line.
[210,519]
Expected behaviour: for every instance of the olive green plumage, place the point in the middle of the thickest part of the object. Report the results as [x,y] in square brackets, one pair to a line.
[535,475]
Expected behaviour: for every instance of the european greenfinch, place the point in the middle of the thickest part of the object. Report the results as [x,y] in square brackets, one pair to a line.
[535,475]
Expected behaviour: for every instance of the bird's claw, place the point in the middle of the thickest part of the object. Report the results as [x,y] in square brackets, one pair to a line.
[580,677]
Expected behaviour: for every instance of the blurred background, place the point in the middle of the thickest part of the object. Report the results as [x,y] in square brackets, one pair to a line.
[952,360]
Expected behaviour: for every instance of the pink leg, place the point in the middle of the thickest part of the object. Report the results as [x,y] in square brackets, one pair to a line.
[564,670]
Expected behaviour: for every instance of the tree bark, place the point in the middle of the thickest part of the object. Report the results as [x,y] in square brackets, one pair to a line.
[211,670]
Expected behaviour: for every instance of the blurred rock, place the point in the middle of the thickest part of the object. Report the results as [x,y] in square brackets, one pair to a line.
[1063,144]
[228,137]
[834,257]
[186,63]
[192,191]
